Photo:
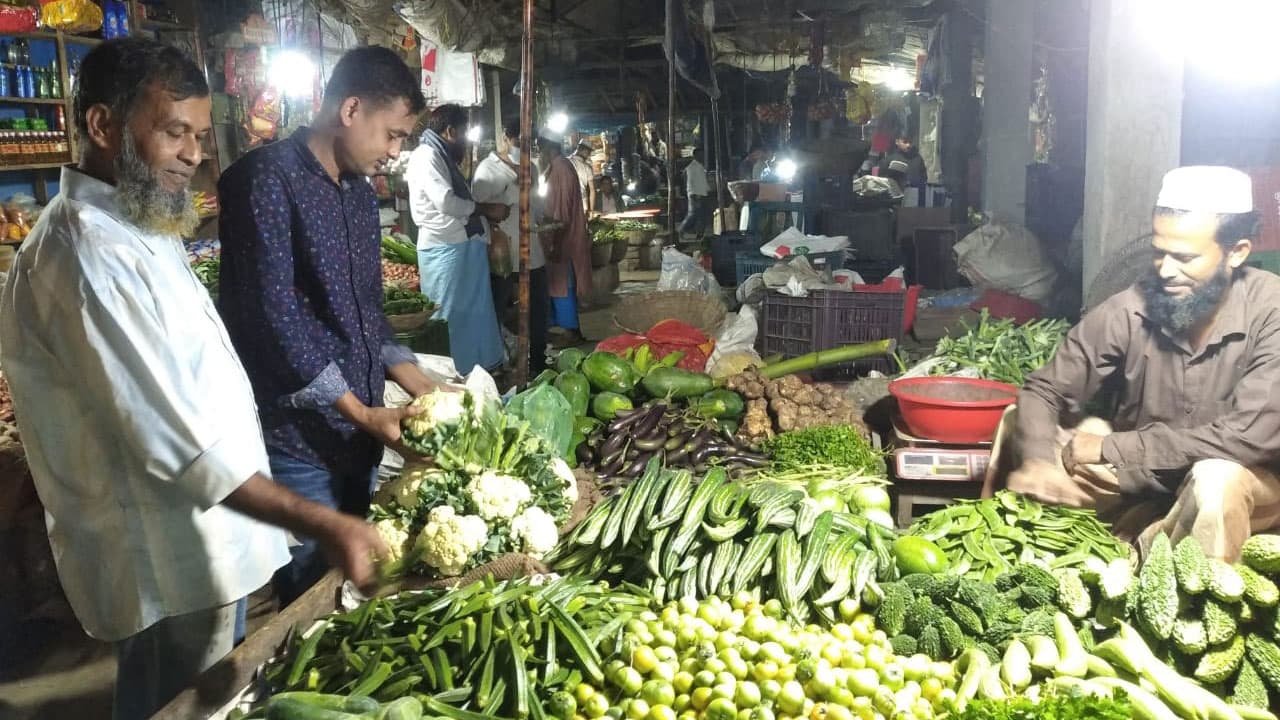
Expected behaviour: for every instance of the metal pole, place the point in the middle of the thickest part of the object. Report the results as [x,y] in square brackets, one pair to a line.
[716,131]
[671,128]
[526,185]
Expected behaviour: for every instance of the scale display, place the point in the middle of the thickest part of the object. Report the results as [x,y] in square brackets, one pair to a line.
[937,464]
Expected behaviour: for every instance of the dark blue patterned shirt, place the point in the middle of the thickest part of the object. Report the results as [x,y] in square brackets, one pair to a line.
[301,296]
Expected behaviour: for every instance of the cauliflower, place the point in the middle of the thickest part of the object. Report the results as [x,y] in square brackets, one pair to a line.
[403,491]
[536,531]
[449,540]
[498,497]
[565,473]
[440,409]
[394,533]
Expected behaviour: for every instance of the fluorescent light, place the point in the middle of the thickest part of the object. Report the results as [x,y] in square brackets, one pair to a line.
[1232,41]
[293,73]
[899,79]
[473,133]
[558,122]
[786,169]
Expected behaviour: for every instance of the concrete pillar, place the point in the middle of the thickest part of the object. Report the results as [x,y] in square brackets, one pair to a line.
[1006,143]
[1134,125]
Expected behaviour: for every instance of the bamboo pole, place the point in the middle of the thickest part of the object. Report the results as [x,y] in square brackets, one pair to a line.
[526,186]
[671,129]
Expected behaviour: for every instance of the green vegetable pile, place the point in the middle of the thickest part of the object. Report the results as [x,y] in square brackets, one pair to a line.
[398,301]
[680,538]
[986,538]
[492,648]
[635,226]
[1000,349]
[840,445]
[207,272]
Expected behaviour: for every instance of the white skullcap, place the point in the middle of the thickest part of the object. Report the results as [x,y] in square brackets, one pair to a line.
[1205,188]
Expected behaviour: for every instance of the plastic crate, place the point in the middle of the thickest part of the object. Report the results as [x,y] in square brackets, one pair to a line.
[751,262]
[828,319]
[724,254]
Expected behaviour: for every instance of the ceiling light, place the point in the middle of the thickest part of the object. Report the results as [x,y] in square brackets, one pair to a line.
[473,133]
[558,122]
[786,169]
[293,73]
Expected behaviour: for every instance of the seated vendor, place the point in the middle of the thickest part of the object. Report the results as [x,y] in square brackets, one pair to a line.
[1191,356]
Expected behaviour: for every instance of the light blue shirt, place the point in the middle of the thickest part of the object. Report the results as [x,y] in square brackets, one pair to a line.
[136,415]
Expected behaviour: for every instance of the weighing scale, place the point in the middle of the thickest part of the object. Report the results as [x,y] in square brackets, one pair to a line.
[934,473]
[923,459]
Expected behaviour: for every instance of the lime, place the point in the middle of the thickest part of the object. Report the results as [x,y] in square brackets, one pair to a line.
[919,555]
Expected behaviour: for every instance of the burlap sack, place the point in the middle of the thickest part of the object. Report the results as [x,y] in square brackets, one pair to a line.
[514,565]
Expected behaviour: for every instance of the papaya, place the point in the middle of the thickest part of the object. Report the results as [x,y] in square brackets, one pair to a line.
[576,389]
[569,360]
[665,382]
[609,373]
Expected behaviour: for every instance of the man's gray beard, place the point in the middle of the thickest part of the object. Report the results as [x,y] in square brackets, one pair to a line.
[145,203]
[1180,314]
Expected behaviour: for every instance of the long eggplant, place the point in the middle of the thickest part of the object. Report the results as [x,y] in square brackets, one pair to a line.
[625,418]
[614,443]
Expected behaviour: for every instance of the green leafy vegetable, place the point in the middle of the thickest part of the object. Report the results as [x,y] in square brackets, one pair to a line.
[207,272]
[398,301]
[1054,707]
[1001,350]
[840,445]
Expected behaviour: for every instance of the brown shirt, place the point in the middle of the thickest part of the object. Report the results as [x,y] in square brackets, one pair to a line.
[1176,406]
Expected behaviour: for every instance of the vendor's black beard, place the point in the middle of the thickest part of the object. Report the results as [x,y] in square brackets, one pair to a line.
[1180,314]
[145,203]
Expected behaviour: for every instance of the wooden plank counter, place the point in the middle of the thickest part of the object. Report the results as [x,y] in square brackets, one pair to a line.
[221,683]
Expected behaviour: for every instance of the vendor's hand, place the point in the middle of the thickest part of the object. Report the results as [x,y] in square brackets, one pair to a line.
[384,424]
[1034,475]
[1083,449]
[355,548]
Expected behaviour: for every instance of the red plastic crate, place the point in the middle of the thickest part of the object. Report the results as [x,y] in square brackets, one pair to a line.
[828,319]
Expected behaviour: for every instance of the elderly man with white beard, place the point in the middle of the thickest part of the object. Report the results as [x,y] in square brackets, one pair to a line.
[138,419]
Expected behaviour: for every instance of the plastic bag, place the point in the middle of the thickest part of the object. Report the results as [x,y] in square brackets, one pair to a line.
[76,16]
[1007,257]
[736,342]
[681,272]
[791,242]
[548,413]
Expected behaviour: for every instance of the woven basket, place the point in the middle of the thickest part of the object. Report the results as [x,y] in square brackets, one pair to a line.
[411,321]
[1122,268]
[601,254]
[620,248]
[638,313]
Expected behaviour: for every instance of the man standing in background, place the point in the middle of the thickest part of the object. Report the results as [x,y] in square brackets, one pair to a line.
[497,180]
[586,175]
[568,247]
[453,255]
[697,190]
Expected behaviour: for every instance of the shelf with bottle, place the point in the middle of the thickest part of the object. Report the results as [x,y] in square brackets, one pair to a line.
[29,144]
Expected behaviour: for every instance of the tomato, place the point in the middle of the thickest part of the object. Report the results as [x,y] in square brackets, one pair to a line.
[704,678]
[773,608]
[838,712]
[805,669]
[819,712]
[724,690]
[863,682]
[666,639]
[682,682]
[666,672]
[875,657]
[700,698]
[893,676]
[726,640]
[748,648]
[711,614]
[833,653]
[644,659]
[583,693]
[722,709]
[822,682]
[683,702]
[715,665]
[791,699]
[762,713]
[637,710]
[764,670]
[595,706]
[661,712]
[656,692]
[770,689]
[562,705]
[849,608]
[930,688]
[629,681]
[747,695]
[841,696]
[615,713]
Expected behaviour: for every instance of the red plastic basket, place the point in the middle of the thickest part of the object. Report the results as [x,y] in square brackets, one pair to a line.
[829,319]
[952,409]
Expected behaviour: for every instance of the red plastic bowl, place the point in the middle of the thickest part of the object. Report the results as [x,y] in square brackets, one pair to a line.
[951,409]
